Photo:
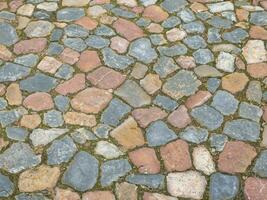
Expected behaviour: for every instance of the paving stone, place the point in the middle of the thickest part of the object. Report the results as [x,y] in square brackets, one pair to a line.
[62,194]
[165,66]
[145,159]
[61,151]
[214,35]
[38,83]
[194,134]
[253,51]
[38,101]
[225,102]
[202,160]
[125,190]
[16,133]
[88,61]
[213,84]
[260,165]
[106,78]
[257,70]
[207,116]
[183,83]
[115,111]
[91,100]
[242,129]
[34,45]
[236,157]
[137,98]
[8,34]
[173,6]
[225,62]
[195,42]
[223,186]
[62,103]
[114,60]
[13,94]
[151,196]
[70,14]
[155,13]
[45,136]
[144,116]
[11,72]
[175,50]
[235,36]
[234,82]
[218,141]
[82,172]
[219,22]
[258,18]
[153,181]
[112,170]
[30,196]
[6,186]
[158,133]
[38,29]
[98,195]
[17,157]
[108,150]
[255,188]
[81,119]
[151,83]
[197,99]
[30,121]
[250,111]
[77,44]
[29,60]
[190,184]
[203,56]
[74,30]
[36,179]
[165,102]
[97,42]
[254,92]
[180,117]
[142,50]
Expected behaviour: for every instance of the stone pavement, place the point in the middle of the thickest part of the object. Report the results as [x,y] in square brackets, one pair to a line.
[133,99]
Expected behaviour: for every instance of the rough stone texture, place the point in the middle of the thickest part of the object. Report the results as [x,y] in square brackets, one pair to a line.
[255,188]
[236,157]
[180,117]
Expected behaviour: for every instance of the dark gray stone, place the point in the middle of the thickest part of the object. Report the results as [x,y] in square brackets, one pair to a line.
[242,129]
[112,170]
[61,151]
[82,172]
[158,133]
[223,186]
[18,157]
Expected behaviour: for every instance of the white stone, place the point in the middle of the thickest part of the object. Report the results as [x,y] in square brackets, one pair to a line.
[75,3]
[190,184]
[130,3]
[39,28]
[96,11]
[49,64]
[48,6]
[254,51]
[226,62]
[202,160]
[148,2]
[43,137]
[220,7]
[26,10]
[107,150]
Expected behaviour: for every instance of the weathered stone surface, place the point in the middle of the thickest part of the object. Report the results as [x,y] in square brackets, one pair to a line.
[17,157]
[81,119]
[184,83]
[236,157]
[39,29]
[71,86]
[98,195]
[91,100]
[260,165]
[12,72]
[126,191]
[154,181]
[202,160]
[34,45]
[133,94]
[254,51]
[194,134]
[223,186]
[39,178]
[66,194]
[39,101]
[82,172]
[255,188]
[8,34]
[6,186]
[145,159]
[234,82]
[108,150]
[128,134]
[190,184]
[180,117]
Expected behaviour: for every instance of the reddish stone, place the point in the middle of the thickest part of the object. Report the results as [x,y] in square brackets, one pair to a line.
[151,83]
[144,116]
[66,194]
[128,29]
[49,64]
[157,196]
[180,117]
[2,89]
[138,9]
[106,78]
[176,156]
[39,101]
[87,22]
[234,82]
[35,45]
[71,86]
[91,100]
[236,157]
[126,191]
[239,63]
[186,62]
[98,195]
[145,159]
[30,121]
[242,15]
[258,70]
[3,5]
[69,56]
[258,32]
[81,119]
[255,188]
[88,61]
[15,4]
[119,44]
[197,99]
[5,54]
[264,4]
[155,13]
[154,28]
